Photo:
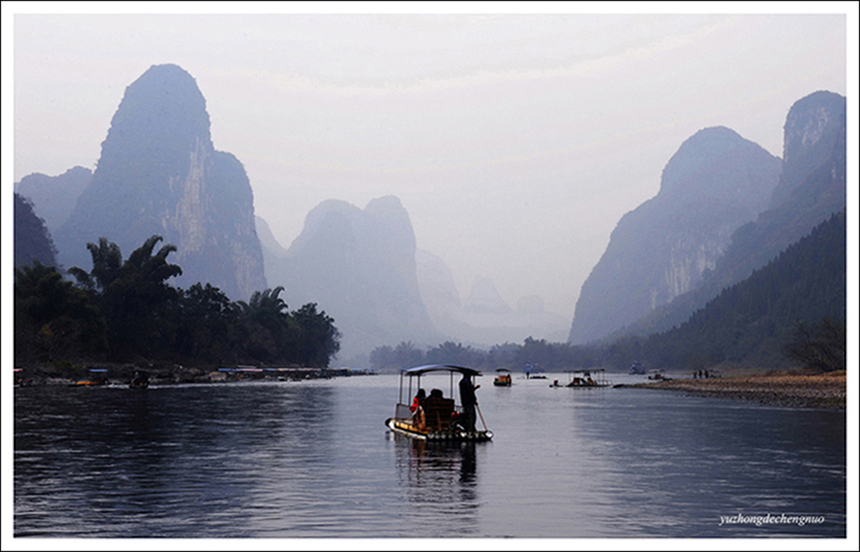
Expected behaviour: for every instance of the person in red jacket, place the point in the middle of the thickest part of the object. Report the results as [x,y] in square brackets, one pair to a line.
[417,409]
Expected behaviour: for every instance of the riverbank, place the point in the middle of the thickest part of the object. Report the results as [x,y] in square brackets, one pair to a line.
[165,374]
[805,391]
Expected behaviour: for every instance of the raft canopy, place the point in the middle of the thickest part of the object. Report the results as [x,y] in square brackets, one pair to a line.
[421,370]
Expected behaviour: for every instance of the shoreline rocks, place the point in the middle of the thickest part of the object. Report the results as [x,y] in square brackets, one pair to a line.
[803,391]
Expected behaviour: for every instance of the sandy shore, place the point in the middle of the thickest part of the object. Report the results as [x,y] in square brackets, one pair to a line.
[818,391]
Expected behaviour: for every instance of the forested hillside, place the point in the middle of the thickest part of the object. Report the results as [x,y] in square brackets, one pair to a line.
[32,239]
[752,322]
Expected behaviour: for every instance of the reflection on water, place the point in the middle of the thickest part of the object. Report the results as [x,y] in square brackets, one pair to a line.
[313,459]
[161,462]
[441,484]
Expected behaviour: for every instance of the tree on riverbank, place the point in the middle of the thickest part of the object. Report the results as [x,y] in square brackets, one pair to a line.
[124,310]
[133,295]
[821,347]
[54,320]
[318,336]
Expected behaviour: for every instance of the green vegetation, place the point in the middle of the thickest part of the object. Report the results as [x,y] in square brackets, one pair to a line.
[54,320]
[820,348]
[125,310]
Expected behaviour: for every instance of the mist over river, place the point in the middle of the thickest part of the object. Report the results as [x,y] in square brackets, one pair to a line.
[313,459]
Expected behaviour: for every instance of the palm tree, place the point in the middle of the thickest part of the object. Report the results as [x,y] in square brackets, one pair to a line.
[107,262]
[133,295]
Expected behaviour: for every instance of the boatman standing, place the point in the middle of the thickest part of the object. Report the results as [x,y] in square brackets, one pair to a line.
[467,397]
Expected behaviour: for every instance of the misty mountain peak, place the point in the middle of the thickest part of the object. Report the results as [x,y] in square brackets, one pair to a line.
[814,130]
[359,266]
[485,298]
[387,207]
[810,116]
[54,197]
[159,174]
[708,163]
[715,182]
[161,112]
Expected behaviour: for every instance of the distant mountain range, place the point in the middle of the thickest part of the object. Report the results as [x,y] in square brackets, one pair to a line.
[811,187]
[483,318]
[726,207]
[54,197]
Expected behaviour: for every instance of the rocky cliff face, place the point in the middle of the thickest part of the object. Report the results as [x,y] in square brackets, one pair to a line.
[814,137]
[716,182]
[810,189]
[160,174]
[358,265]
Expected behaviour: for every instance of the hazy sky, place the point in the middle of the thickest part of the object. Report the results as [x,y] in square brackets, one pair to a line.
[515,142]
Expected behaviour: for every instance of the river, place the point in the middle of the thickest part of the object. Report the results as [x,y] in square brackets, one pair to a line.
[313,459]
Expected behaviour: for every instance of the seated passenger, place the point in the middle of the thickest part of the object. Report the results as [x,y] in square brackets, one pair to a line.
[439,410]
[418,401]
[417,407]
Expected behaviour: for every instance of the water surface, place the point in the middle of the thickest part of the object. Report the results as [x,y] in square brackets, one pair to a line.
[313,459]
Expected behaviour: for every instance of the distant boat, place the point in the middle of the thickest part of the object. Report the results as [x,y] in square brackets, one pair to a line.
[658,375]
[637,369]
[140,380]
[533,371]
[441,420]
[503,379]
[584,378]
[99,377]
